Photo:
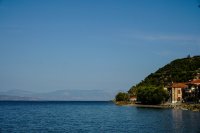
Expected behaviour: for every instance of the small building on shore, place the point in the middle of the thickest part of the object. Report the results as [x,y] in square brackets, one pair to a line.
[133,98]
[175,92]
[184,92]
[192,93]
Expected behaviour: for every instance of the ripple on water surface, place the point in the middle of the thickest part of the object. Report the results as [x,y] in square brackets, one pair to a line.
[93,117]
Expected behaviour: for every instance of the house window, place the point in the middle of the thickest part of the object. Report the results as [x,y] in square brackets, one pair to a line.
[178,99]
[179,91]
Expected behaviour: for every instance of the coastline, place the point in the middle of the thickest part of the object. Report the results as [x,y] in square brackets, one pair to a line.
[182,106]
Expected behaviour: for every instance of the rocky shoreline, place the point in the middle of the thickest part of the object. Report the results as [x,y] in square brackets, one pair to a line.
[192,107]
[182,106]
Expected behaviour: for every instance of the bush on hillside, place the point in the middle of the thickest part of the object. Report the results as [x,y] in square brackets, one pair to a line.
[152,95]
[121,96]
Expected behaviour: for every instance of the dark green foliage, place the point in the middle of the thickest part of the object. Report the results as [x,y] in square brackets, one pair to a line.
[179,70]
[121,96]
[151,95]
[132,91]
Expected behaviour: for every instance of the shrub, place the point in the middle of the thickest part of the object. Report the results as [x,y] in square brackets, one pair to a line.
[121,96]
[151,95]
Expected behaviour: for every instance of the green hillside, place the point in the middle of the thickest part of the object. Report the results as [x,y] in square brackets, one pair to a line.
[179,70]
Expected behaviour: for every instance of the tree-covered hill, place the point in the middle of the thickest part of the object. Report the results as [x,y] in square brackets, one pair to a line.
[179,70]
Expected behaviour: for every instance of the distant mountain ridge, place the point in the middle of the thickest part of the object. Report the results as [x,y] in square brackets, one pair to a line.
[16,98]
[58,95]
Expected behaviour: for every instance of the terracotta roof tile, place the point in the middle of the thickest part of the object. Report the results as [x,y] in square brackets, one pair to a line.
[195,81]
[179,85]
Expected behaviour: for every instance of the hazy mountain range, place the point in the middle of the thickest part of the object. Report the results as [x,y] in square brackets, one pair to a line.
[64,95]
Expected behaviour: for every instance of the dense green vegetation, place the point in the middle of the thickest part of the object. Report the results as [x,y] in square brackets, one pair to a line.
[179,70]
[122,96]
[151,95]
[149,90]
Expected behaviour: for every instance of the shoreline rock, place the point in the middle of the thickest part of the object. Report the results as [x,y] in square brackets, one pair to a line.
[192,107]
[182,106]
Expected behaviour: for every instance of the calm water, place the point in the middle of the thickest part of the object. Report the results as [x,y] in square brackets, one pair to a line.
[93,117]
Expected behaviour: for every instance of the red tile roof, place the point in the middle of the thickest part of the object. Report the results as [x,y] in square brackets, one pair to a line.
[179,85]
[133,97]
[195,81]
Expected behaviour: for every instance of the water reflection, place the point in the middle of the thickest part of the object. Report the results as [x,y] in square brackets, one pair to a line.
[168,120]
[185,121]
[177,119]
[94,117]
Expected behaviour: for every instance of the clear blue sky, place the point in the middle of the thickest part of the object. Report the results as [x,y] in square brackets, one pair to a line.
[48,45]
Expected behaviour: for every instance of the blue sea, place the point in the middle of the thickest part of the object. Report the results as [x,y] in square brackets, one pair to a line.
[93,117]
